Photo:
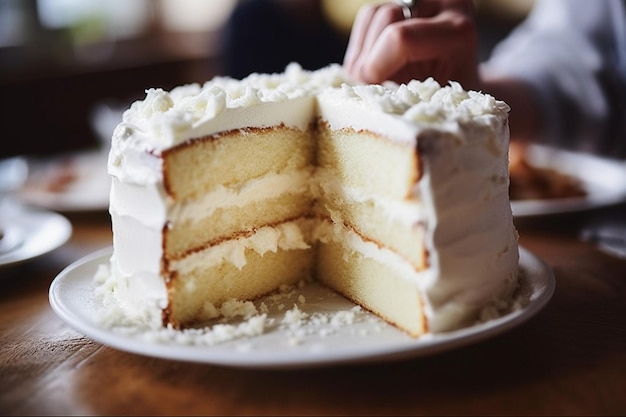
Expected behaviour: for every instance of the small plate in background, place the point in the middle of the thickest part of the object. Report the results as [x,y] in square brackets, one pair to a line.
[602,179]
[32,232]
[75,182]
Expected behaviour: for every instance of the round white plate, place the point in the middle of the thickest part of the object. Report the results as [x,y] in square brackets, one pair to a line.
[603,179]
[32,232]
[75,182]
[367,339]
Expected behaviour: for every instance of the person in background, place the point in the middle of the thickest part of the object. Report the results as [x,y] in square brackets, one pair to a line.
[266,35]
[562,70]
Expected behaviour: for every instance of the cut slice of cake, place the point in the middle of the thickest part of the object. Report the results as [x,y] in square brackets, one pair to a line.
[395,196]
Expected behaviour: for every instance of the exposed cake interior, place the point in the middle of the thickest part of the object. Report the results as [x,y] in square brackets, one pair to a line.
[394,196]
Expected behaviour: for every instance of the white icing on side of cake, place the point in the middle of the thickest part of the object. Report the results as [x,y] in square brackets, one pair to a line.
[471,238]
[137,212]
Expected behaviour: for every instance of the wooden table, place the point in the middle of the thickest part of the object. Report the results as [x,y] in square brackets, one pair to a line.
[568,359]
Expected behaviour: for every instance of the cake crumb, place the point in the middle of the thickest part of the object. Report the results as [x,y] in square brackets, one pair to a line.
[234,320]
[294,316]
[235,308]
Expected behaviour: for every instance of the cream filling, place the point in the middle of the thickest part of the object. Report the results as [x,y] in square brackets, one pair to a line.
[326,231]
[285,236]
[126,200]
[407,212]
[129,198]
[265,188]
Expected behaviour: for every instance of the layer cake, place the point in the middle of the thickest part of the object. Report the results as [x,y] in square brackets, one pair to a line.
[395,196]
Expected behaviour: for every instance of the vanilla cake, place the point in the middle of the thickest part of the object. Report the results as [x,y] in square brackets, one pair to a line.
[395,196]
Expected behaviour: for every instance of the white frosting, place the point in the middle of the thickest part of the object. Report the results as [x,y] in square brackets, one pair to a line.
[402,111]
[462,197]
[471,238]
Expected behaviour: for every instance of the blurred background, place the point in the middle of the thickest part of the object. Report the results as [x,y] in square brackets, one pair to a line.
[65,63]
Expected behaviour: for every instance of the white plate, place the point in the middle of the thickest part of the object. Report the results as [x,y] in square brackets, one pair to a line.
[75,182]
[368,339]
[603,179]
[32,232]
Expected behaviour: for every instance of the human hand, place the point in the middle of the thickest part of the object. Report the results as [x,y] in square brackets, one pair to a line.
[440,40]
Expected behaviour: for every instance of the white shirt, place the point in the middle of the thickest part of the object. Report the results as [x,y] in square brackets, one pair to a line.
[573,53]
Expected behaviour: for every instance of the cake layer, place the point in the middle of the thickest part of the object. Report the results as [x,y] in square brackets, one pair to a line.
[233,158]
[225,223]
[195,296]
[378,203]
[373,285]
[363,160]
[376,224]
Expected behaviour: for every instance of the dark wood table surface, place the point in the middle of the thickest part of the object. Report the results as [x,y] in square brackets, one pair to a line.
[569,359]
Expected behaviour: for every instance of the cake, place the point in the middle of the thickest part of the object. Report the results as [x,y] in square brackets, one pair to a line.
[394,196]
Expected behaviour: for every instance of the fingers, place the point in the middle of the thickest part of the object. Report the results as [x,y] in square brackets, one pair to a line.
[357,35]
[385,57]
[439,41]
[370,22]
[443,46]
